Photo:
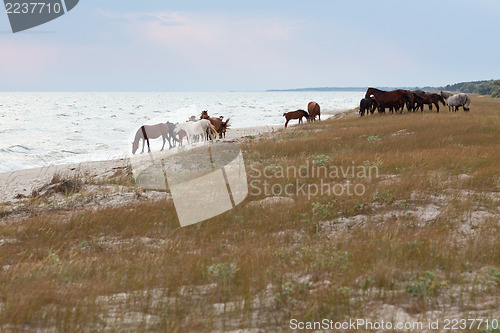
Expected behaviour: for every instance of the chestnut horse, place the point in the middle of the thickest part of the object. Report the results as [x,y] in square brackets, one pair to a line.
[299,114]
[220,126]
[314,110]
[393,99]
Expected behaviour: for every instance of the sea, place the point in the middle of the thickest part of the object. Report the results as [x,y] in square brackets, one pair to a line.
[40,129]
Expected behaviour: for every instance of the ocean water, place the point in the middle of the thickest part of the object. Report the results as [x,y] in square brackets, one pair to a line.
[47,128]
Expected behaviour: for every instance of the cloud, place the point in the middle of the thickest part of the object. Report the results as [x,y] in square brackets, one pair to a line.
[216,39]
[164,18]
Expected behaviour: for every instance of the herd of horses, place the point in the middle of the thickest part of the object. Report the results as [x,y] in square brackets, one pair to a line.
[396,100]
[208,127]
[193,130]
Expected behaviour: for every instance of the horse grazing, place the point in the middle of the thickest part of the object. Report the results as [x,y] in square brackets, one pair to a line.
[446,94]
[299,114]
[147,132]
[367,104]
[314,110]
[193,129]
[409,97]
[429,99]
[172,135]
[393,99]
[457,101]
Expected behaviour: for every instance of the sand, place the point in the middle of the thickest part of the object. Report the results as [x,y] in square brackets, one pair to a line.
[18,185]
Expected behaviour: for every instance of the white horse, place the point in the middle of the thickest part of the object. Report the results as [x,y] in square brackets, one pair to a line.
[193,129]
[147,132]
[456,101]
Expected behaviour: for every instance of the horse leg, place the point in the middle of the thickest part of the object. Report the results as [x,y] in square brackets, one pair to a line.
[143,143]
[437,107]
[169,144]
[287,122]
[164,139]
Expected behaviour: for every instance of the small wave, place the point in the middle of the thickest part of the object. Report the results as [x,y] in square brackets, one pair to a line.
[12,130]
[72,152]
[17,149]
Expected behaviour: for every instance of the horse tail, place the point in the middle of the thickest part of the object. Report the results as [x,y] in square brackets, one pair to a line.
[213,130]
[226,124]
[284,114]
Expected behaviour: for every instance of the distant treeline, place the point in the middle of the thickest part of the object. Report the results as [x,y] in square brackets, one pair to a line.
[490,87]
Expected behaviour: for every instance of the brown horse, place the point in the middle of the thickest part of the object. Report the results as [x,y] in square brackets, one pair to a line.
[220,126]
[225,126]
[299,114]
[410,101]
[368,104]
[393,99]
[429,99]
[314,110]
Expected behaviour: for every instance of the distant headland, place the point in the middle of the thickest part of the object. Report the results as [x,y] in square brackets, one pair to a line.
[485,87]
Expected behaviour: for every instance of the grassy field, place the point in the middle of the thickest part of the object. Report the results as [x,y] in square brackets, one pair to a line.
[418,240]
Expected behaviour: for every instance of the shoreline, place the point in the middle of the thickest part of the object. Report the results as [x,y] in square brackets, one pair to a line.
[20,184]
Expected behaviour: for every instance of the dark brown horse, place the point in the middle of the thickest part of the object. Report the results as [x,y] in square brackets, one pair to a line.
[410,100]
[220,126]
[429,99]
[314,110]
[299,114]
[393,99]
[368,104]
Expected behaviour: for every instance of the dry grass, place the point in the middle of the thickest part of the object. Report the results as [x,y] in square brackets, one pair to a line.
[423,237]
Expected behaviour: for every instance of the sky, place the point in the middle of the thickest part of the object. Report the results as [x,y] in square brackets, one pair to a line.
[233,45]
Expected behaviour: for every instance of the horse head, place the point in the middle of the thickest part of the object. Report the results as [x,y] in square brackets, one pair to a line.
[135,146]
[204,115]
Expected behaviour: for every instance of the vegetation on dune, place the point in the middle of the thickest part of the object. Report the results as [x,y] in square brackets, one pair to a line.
[421,240]
[488,87]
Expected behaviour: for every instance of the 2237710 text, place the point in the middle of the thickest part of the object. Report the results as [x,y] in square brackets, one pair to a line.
[32,8]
